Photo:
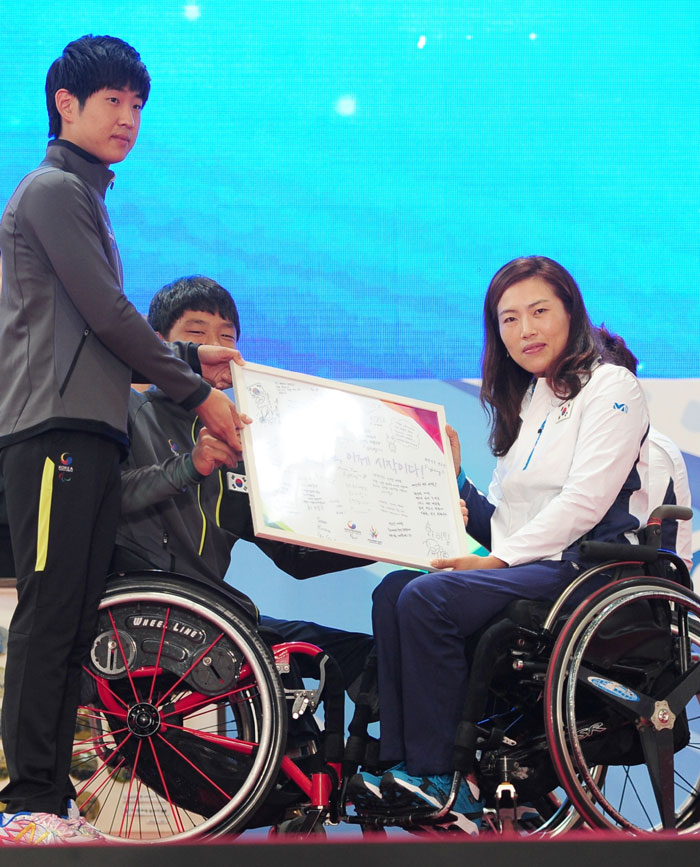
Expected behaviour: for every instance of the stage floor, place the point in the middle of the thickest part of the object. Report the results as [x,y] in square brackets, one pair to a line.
[576,850]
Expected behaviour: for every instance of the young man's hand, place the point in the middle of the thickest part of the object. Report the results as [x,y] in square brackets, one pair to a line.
[215,361]
[221,418]
[210,453]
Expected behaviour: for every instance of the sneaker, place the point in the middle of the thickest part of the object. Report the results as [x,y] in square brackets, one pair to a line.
[72,810]
[404,791]
[82,828]
[460,824]
[79,824]
[43,829]
[363,790]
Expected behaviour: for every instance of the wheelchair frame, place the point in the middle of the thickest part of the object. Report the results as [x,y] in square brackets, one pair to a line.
[183,728]
[547,669]
[183,731]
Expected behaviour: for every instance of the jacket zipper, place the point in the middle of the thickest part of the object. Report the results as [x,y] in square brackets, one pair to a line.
[167,551]
[539,434]
[74,361]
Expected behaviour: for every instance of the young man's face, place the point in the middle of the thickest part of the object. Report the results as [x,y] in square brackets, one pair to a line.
[198,326]
[106,126]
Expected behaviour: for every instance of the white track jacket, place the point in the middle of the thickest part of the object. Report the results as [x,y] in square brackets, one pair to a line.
[578,469]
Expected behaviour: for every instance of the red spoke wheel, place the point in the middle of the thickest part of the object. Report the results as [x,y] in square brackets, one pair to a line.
[183,721]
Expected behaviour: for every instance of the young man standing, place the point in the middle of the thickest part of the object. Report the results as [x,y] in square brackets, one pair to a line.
[69,341]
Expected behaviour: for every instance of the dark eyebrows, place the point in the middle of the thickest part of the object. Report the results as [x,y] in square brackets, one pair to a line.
[126,91]
[195,321]
[529,306]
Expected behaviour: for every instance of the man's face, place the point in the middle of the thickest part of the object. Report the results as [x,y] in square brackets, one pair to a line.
[106,126]
[198,326]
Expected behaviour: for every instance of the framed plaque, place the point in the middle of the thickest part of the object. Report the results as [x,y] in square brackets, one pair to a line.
[347,469]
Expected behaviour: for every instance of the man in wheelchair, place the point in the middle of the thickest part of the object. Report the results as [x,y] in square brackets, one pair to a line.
[184,495]
[183,509]
[570,435]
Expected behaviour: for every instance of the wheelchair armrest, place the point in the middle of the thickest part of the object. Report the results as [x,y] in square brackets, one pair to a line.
[619,551]
[673,513]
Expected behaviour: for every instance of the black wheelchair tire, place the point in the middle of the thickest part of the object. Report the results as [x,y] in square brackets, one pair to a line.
[589,787]
[251,715]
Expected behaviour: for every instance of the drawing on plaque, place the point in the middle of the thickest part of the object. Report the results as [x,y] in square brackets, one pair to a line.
[435,542]
[266,409]
[348,469]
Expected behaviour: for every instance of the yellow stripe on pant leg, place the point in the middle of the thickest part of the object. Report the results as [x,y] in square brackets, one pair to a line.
[219,498]
[42,529]
[204,519]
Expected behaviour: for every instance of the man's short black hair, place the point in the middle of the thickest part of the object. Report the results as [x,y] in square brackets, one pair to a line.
[92,63]
[191,293]
[614,350]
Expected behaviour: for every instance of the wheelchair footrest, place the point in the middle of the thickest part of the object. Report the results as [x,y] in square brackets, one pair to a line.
[417,817]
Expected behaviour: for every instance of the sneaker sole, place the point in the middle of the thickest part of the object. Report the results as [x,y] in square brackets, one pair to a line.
[459,823]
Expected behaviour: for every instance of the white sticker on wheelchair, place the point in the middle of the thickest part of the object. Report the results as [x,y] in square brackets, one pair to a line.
[236,482]
[613,688]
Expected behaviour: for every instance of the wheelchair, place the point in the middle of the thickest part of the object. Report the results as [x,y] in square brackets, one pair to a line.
[186,728]
[585,711]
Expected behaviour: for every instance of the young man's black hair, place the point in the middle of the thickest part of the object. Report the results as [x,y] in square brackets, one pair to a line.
[191,293]
[92,63]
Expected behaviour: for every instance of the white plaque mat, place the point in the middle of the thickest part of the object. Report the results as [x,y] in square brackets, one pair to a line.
[347,469]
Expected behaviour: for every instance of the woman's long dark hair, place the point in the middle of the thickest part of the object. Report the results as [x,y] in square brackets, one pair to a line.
[504,382]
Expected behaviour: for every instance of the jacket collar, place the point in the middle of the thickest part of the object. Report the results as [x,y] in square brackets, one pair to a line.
[539,384]
[68,156]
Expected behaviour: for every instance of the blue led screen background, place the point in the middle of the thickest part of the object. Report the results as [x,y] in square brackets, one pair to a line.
[354,172]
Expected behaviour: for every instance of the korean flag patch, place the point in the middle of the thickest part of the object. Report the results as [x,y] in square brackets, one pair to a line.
[564,412]
[236,482]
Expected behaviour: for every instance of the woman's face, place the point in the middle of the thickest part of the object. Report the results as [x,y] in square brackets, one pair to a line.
[533,324]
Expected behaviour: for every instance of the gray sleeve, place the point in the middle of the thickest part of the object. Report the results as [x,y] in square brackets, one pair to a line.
[60,216]
[188,352]
[146,486]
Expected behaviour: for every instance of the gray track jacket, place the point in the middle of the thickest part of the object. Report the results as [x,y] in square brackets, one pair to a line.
[69,338]
[175,519]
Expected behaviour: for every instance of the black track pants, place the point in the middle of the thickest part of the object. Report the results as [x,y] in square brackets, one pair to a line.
[62,491]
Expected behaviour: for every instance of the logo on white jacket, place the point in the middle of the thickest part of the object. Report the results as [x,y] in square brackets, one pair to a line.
[564,412]
[622,407]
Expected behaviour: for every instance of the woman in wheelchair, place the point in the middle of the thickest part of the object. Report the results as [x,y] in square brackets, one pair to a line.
[569,433]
